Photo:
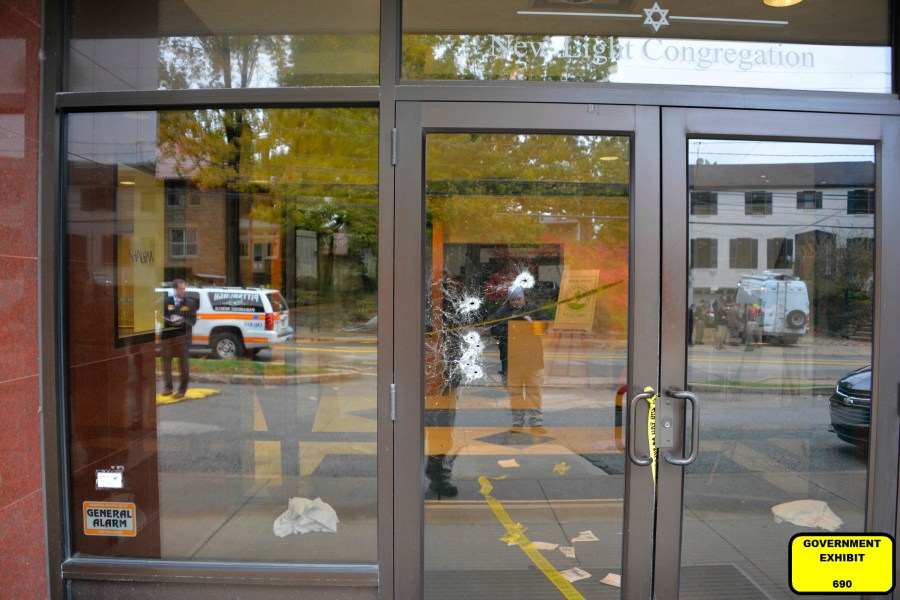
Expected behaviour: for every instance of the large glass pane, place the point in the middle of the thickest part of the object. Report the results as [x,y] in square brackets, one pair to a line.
[190,44]
[264,450]
[781,291]
[527,308]
[844,46]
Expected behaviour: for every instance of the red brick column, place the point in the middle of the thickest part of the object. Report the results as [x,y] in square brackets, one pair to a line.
[22,556]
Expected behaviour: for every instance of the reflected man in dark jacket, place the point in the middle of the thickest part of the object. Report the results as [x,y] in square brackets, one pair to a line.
[442,386]
[180,317]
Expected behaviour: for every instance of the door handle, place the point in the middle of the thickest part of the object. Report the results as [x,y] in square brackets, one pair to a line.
[695,426]
[632,420]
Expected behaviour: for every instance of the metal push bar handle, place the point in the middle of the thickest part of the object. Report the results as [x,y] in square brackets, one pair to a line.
[632,421]
[695,427]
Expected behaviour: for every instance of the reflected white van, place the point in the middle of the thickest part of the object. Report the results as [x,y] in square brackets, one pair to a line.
[783,302]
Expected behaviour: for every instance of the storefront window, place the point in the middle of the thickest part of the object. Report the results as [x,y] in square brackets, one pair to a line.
[845,47]
[266,450]
[195,45]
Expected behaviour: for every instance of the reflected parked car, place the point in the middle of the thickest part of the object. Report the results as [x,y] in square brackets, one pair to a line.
[235,321]
[851,407]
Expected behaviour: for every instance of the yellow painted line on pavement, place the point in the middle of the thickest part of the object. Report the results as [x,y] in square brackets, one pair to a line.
[259,417]
[267,462]
[313,453]
[516,533]
[334,415]
[267,456]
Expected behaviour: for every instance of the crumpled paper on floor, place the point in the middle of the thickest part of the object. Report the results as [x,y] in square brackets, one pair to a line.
[575,574]
[807,513]
[612,579]
[304,515]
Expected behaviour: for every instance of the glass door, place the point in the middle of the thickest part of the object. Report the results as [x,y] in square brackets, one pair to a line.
[556,261]
[770,249]
[520,345]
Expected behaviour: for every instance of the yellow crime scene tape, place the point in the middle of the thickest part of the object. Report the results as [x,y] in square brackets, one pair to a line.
[516,533]
[549,305]
[651,432]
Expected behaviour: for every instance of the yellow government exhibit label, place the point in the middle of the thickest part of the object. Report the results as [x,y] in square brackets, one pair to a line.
[842,563]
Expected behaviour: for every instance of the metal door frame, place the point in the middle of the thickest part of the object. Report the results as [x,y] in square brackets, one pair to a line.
[414,121]
[680,124]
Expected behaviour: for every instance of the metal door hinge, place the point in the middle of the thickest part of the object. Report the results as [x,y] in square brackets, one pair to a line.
[394,146]
[393,402]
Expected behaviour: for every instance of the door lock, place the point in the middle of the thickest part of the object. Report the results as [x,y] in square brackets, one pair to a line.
[665,419]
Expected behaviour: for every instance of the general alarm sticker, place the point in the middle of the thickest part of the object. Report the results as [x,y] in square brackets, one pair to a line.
[842,563]
[110,519]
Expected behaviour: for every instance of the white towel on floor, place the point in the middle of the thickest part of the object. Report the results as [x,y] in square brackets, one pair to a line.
[807,513]
[304,515]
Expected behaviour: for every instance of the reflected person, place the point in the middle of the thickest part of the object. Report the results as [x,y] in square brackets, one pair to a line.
[735,324]
[180,317]
[700,322]
[690,324]
[519,327]
[720,310]
[751,326]
[442,389]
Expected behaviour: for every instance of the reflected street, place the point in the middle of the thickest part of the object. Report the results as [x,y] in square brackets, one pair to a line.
[317,435]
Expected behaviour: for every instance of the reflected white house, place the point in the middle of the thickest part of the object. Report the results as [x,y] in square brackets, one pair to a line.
[781,217]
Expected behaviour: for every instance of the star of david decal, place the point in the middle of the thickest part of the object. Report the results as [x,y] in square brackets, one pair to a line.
[652,12]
